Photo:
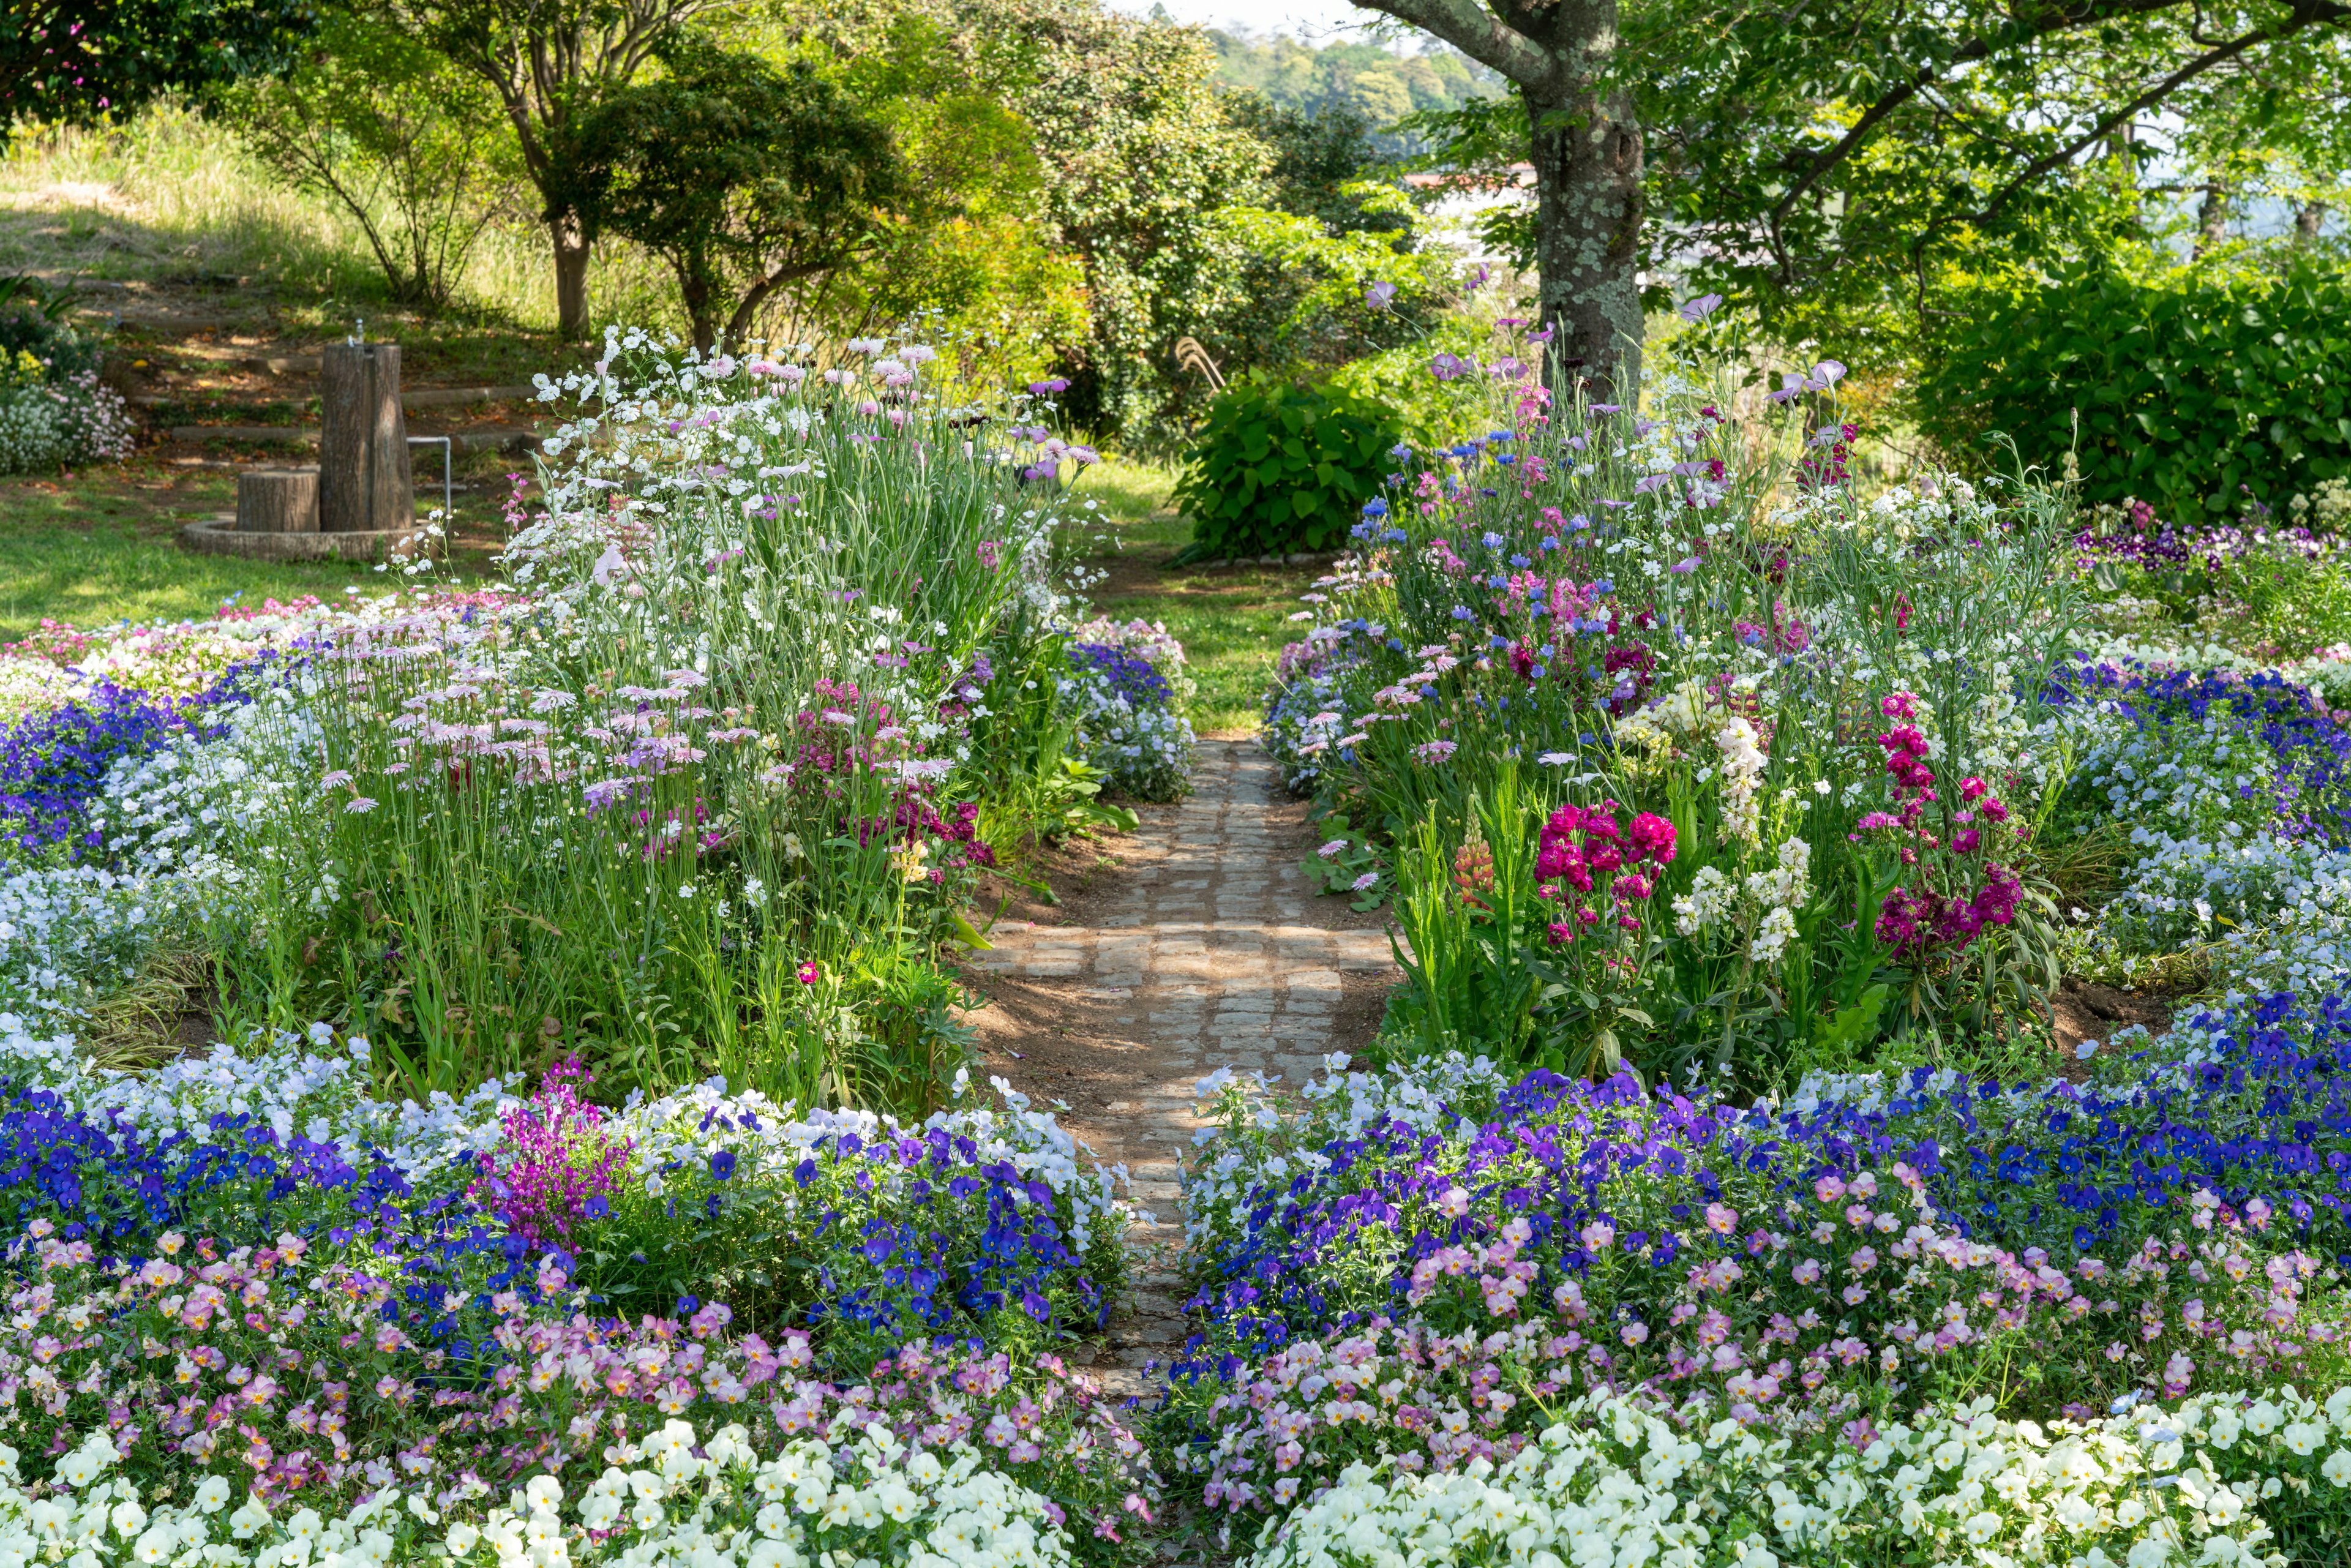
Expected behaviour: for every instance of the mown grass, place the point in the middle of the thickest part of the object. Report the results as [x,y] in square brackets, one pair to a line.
[99,548]
[1233,622]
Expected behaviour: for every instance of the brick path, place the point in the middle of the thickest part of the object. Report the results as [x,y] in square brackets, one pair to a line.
[1222,955]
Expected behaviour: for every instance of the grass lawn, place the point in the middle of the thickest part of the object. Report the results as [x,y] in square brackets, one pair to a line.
[101,547]
[1232,622]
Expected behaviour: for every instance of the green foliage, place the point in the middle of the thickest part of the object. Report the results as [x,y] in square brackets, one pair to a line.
[35,322]
[1281,468]
[2196,392]
[79,62]
[1318,156]
[745,179]
[1141,157]
[415,150]
[1364,82]
[1839,167]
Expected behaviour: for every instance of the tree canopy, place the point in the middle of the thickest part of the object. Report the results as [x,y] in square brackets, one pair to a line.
[79,60]
[745,179]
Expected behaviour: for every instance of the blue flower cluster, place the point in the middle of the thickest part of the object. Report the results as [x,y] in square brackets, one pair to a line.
[2307,796]
[52,764]
[1127,726]
[243,1184]
[2260,1108]
[1131,676]
[920,1267]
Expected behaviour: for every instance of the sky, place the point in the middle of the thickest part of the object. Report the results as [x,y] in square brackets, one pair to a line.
[1316,21]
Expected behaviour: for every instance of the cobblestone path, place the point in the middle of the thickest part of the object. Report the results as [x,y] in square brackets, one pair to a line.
[1211,951]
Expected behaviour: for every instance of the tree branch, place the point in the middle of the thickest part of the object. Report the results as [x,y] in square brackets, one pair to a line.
[1475,32]
[1973,50]
[2308,14]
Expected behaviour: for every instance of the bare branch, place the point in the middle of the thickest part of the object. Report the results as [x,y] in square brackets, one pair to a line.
[1475,32]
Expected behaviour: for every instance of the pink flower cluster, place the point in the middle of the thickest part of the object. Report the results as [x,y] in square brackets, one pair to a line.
[324,1381]
[557,1164]
[1589,866]
[1801,1324]
[1919,917]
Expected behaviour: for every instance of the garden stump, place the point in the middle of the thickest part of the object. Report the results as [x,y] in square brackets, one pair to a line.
[277,501]
[363,476]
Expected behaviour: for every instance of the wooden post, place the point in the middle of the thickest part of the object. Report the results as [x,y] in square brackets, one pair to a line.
[363,477]
[277,501]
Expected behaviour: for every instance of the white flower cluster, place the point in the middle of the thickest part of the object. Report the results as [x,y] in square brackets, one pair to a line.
[1256,1145]
[47,424]
[1763,907]
[69,934]
[1616,1483]
[294,1084]
[2191,889]
[768,1139]
[675,1500]
[723,508]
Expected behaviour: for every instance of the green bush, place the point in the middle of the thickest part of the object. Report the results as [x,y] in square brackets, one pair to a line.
[1281,467]
[2197,394]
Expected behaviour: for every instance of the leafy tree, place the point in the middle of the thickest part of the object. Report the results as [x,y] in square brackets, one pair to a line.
[1318,155]
[79,60]
[1852,158]
[408,145]
[1836,164]
[547,61]
[1190,210]
[745,179]
[970,255]
[1143,155]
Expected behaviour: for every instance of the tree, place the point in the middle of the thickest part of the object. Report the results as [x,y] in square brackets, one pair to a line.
[745,179]
[396,136]
[79,60]
[547,61]
[1830,164]
[1140,156]
[1585,142]
[1827,160]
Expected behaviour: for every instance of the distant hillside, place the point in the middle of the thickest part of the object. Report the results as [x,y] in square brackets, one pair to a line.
[1376,82]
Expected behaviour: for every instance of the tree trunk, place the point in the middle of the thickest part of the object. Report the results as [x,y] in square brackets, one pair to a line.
[2307,222]
[571,278]
[2211,219]
[277,501]
[363,473]
[1587,157]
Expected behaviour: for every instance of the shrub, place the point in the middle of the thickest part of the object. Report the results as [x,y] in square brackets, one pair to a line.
[2198,392]
[1281,468]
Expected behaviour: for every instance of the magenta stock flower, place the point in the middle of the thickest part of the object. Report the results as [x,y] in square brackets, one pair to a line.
[557,1164]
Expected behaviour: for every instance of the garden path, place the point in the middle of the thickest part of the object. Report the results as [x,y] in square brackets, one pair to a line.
[1206,948]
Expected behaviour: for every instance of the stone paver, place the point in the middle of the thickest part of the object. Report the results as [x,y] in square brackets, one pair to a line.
[1218,951]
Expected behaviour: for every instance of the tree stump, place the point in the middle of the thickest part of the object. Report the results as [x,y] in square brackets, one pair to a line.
[277,501]
[363,476]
